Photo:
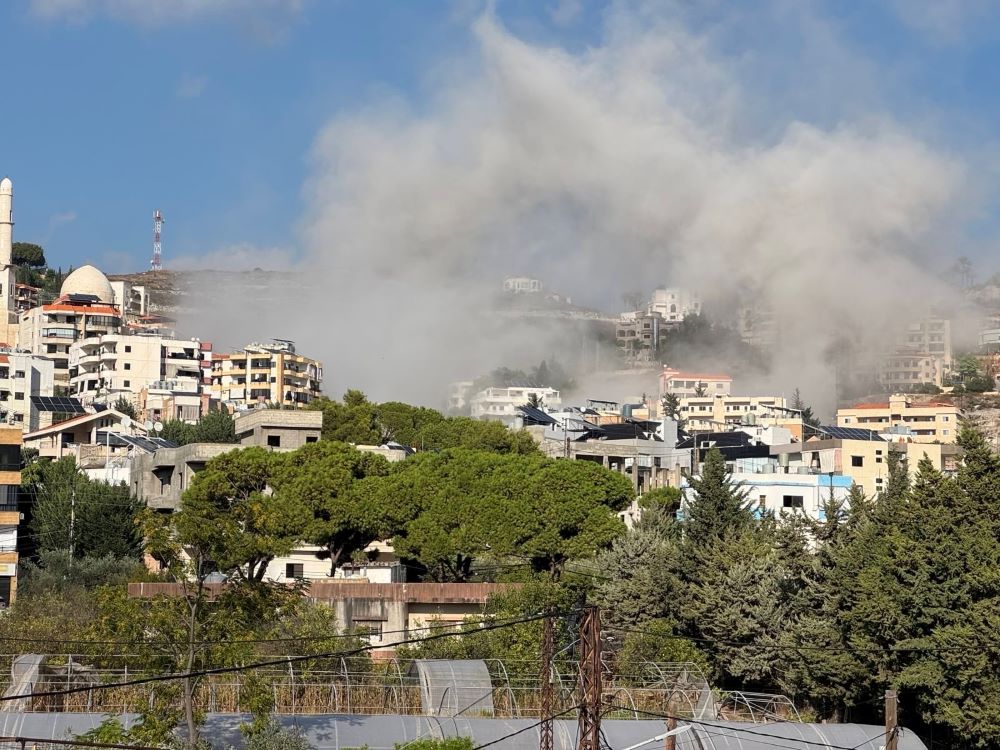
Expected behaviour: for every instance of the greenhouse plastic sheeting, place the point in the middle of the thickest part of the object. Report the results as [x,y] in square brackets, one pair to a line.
[454,687]
[342,731]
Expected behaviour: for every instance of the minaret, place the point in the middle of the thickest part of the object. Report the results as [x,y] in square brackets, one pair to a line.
[8,306]
[6,222]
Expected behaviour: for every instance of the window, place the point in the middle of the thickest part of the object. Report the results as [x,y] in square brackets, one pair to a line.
[944,432]
[791,501]
[128,347]
[857,460]
[847,420]
[311,438]
[762,502]
[294,570]
[274,441]
[126,383]
[19,374]
[944,418]
[128,365]
[369,629]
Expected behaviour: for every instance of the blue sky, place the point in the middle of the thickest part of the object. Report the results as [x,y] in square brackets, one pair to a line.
[208,109]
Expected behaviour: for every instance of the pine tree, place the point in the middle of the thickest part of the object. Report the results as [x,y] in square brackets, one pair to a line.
[716,504]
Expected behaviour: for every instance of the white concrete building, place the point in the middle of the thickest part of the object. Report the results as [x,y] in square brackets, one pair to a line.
[682,383]
[522,285]
[85,309]
[23,375]
[500,404]
[163,377]
[720,412]
[674,304]
[771,491]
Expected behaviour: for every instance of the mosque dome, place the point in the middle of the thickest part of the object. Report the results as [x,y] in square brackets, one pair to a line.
[88,280]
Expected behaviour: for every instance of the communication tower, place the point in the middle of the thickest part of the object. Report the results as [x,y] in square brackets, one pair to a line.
[156,264]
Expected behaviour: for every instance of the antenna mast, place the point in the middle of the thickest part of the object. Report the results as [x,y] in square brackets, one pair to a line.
[156,264]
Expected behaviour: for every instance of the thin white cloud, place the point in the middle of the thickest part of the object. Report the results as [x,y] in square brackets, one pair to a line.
[943,21]
[191,86]
[564,12]
[265,18]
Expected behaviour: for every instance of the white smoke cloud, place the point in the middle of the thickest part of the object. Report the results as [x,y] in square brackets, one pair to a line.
[619,167]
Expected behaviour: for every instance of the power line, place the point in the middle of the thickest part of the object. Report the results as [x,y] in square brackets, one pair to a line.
[528,728]
[257,665]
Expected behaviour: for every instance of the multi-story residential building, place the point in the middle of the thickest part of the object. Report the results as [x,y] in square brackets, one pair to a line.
[906,368]
[922,422]
[861,455]
[720,412]
[500,403]
[522,285]
[923,354]
[170,374]
[84,309]
[278,429]
[131,299]
[266,374]
[639,334]
[674,304]
[22,376]
[10,512]
[694,383]
[25,297]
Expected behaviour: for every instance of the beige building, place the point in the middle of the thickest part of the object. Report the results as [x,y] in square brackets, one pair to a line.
[266,374]
[10,515]
[638,334]
[864,461]
[718,413]
[923,422]
[163,377]
[500,404]
[84,309]
[923,354]
[694,383]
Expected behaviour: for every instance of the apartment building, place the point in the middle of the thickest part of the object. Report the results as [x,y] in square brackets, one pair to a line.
[905,368]
[921,422]
[165,378]
[25,297]
[772,491]
[522,285]
[22,376]
[673,304]
[923,354]
[84,309]
[271,373]
[682,383]
[715,413]
[501,403]
[639,334]
[758,324]
[10,512]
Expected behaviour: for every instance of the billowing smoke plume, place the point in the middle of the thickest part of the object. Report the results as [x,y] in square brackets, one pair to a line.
[618,168]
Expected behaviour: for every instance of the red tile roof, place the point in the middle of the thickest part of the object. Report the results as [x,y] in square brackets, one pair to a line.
[872,405]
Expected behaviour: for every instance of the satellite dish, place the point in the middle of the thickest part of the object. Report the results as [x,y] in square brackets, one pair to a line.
[148,424]
[126,422]
[158,426]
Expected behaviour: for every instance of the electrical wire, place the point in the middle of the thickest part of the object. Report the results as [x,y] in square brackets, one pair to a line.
[528,728]
[257,665]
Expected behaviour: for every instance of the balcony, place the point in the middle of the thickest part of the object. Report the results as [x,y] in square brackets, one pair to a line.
[66,334]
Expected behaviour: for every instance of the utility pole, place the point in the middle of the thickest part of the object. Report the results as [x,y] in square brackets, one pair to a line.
[72,519]
[589,725]
[891,726]
[548,646]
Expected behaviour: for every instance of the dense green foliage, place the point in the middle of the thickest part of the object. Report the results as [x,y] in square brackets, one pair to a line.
[95,518]
[445,509]
[215,426]
[357,420]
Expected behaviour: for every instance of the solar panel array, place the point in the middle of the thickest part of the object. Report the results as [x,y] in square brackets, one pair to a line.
[537,416]
[61,404]
[850,433]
